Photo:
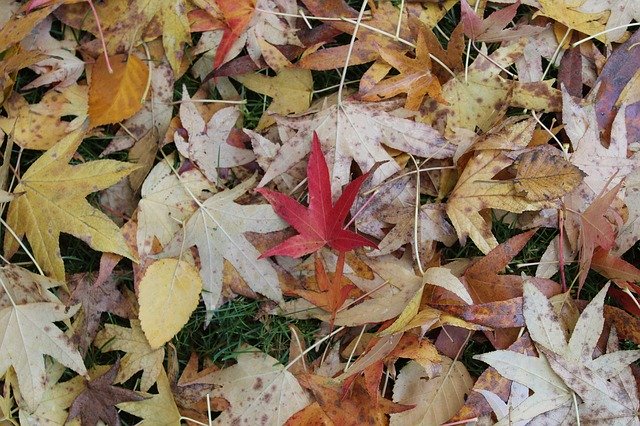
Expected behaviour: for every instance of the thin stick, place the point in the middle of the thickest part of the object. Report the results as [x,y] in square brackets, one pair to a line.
[416,214]
[211,101]
[315,345]
[596,35]
[19,240]
[353,350]
[104,45]
[399,25]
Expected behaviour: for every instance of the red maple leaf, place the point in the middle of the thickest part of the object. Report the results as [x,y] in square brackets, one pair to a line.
[322,222]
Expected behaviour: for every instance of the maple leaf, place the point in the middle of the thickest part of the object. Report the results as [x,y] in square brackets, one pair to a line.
[363,128]
[476,190]
[415,78]
[602,165]
[156,409]
[56,399]
[480,96]
[139,355]
[97,402]
[167,200]
[207,143]
[492,28]
[568,14]
[621,13]
[568,366]
[96,295]
[333,293]
[436,399]
[291,89]
[255,20]
[52,202]
[358,408]
[217,230]
[170,19]
[27,311]
[595,231]
[322,223]
[432,226]
[40,126]
[259,389]
[369,43]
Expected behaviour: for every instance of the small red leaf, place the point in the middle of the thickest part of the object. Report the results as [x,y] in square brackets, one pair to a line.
[322,222]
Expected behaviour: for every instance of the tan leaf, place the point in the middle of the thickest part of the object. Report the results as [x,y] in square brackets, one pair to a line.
[545,175]
[207,143]
[217,229]
[116,96]
[436,399]
[259,390]
[27,312]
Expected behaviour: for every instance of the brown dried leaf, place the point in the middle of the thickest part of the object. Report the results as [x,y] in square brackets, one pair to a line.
[543,174]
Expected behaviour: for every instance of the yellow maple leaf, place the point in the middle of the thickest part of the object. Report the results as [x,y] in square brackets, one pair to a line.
[290,89]
[476,189]
[52,200]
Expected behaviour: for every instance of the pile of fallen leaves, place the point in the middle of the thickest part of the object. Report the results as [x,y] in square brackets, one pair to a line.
[339,205]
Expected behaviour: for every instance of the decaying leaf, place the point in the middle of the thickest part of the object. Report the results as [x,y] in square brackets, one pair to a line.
[362,128]
[217,230]
[569,366]
[97,401]
[436,398]
[259,389]
[206,144]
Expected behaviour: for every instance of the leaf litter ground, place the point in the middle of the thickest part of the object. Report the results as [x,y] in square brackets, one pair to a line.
[485,134]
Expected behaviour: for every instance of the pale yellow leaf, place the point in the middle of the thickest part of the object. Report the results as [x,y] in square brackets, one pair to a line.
[259,390]
[139,355]
[159,409]
[436,399]
[290,91]
[168,294]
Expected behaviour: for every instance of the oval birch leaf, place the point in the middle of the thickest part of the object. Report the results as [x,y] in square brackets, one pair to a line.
[544,175]
[436,399]
[116,96]
[169,293]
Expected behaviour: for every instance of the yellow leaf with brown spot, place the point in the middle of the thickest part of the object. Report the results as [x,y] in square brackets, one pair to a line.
[116,96]
[168,294]
[544,175]
[52,201]
[476,189]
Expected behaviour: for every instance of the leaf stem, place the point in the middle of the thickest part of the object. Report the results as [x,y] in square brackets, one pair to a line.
[104,45]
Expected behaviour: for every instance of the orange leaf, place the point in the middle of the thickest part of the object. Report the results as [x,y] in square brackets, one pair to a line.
[116,96]
[237,15]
